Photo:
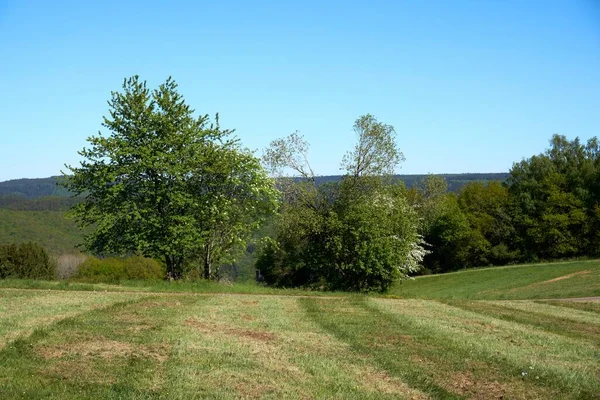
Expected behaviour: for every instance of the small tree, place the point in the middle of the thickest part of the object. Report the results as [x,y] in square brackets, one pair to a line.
[376,152]
[358,235]
[164,182]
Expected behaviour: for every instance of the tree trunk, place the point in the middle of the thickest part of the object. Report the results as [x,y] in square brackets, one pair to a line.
[207,263]
[174,267]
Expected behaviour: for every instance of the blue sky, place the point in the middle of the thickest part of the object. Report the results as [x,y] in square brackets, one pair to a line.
[470,86]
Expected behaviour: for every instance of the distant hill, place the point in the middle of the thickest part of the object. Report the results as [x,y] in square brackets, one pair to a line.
[33,188]
[50,203]
[34,210]
[47,187]
[455,181]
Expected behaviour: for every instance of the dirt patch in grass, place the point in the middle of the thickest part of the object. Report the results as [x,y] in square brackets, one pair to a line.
[211,327]
[74,370]
[254,390]
[377,340]
[464,384]
[247,317]
[487,327]
[154,304]
[139,328]
[264,336]
[381,381]
[561,278]
[103,348]
[549,281]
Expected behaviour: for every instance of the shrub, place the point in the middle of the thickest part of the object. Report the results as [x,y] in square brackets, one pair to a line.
[143,268]
[360,235]
[114,270]
[26,261]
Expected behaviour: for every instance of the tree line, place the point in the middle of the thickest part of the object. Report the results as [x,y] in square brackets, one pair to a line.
[548,208]
[173,186]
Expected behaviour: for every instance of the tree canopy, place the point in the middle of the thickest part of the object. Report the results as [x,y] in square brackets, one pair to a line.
[359,234]
[166,183]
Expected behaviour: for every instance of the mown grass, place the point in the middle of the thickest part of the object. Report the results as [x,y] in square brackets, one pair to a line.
[143,345]
[535,281]
[160,286]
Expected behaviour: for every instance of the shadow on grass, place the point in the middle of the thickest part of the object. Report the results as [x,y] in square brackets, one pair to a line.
[364,329]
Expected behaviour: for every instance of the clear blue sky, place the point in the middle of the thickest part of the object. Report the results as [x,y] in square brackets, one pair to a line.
[470,86]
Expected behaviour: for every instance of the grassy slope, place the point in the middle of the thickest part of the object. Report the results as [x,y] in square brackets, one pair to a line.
[49,228]
[539,281]
[180,346]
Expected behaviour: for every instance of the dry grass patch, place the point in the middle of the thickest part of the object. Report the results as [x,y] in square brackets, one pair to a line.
[561,278]
[205,327]
[75,371]
[161,304]
[558,361]
[21,312]
[376,380]
[465,384]
[250,389]
[103,348]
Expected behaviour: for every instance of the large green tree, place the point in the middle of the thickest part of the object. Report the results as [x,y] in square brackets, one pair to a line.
[166,183]
[555,197]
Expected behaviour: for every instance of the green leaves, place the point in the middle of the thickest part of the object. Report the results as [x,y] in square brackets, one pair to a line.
[163,182]
[553,198]
[358,235]
[376,152]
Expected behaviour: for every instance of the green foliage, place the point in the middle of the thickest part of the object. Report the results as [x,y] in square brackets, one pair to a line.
[114,270]
[167,184]
[555,197]
[449,237]
[487,208]
[359,234]
[547,209]
[376,152]
[50,203]
[51,229]
[26,261]
[371,234]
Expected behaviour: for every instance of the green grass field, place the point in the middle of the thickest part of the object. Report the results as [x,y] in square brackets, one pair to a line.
[535,281]
[139,345]
[162,340]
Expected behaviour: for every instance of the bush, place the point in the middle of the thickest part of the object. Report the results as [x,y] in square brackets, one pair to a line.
[360,235]
[26,261]
[114,270]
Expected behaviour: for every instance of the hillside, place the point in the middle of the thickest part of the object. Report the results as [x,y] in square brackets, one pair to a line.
[455,181]
[33,188]
[49,228]
[533,281]
[33,210]
[44,187]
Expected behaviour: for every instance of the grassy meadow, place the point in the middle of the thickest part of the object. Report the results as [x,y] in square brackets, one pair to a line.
[118,342]
[534,281]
